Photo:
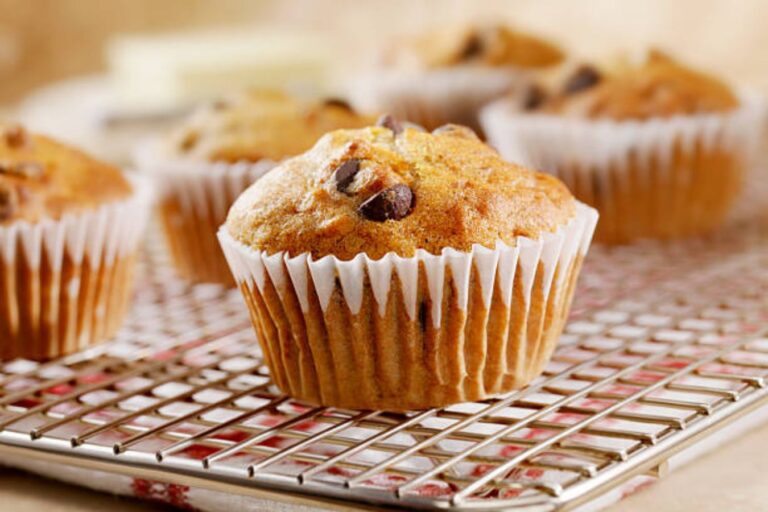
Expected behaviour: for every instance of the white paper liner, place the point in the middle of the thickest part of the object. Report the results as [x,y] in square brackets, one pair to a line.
[630,169]
[494,266]
[550,142]
[102,238]
[201,187]
[432,98]
[110,231]
[204,192]
[338,333]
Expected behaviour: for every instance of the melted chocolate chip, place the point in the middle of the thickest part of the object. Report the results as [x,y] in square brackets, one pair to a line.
[15,136]
[393,203]
[389,121]
[345,173]
[8,202]
[583,78]
[338,102]
[535,97]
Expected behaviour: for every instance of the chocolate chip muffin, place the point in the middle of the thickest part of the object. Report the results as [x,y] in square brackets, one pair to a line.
[446,75]
[491,45]
[258,125]
[392,268]
[657,87]
[217,153]
[658,148]
[70,227]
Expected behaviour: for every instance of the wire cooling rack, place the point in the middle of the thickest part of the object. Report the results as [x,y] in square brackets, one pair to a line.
[665,345]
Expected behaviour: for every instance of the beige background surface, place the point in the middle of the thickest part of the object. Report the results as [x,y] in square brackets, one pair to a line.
[43,40]
[733,478]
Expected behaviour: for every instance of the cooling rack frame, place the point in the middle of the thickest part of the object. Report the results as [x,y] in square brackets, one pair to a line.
[691,316]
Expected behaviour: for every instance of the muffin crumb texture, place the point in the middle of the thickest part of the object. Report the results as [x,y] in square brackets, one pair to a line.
[257,125]
[485,45]
[657,87]
[40,178]
[379,190]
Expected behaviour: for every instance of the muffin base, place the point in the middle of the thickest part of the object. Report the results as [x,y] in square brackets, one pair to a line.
[689,195]
[65,284]
[395,363]
[659,178]
[192,244]
[412,333]
[42,318]
[194,200]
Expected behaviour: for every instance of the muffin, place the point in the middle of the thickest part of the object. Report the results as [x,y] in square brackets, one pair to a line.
[445,76]
[216,154]
[70,228]
[392,268]
[658,148]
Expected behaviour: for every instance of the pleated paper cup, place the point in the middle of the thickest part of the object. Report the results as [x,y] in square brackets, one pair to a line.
[194,198]
[412,333]
[660,178]
[432,98]
[66,284]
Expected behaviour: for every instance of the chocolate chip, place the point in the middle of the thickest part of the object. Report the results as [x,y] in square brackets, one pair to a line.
[472,47]
[338,102]
[8,202]
[389,121]
[219,104]
[189,141]
[345,173]
[393,203]
[535,97]
[583,78]
[15,136]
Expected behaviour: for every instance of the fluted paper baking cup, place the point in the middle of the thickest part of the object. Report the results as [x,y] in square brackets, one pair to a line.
[194,198]
[410,333]
[65,284]
[658,178]
[432,98]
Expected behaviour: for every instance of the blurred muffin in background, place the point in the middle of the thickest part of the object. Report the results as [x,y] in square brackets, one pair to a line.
[203,165]
[392,268]
[445,76]
[658,148]
[70,229]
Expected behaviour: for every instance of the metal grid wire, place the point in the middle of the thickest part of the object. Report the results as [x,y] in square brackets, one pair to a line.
[665,344]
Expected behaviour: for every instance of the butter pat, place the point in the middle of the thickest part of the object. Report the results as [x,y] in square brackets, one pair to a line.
[169,71]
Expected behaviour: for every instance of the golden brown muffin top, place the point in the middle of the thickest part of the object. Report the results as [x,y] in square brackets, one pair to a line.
[40,178]
[492,45]
[657,87]
[261,124]
[387,189]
